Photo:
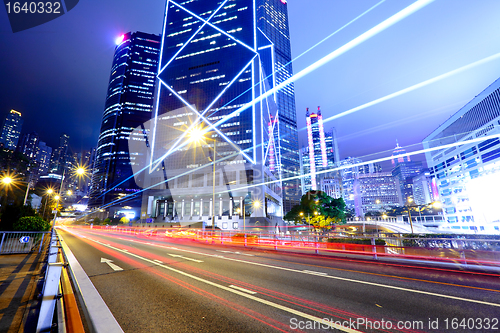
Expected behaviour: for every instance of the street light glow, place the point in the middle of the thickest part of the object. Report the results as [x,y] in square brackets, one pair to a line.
[7,180]
[196,134]
[50,191]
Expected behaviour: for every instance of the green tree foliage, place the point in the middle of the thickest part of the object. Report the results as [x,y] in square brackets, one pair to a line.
[124,220]
[107,220]
[96,221]
[12,213]
[319,210]
[31,223]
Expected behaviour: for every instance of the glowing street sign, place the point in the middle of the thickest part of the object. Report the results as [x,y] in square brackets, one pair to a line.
[24,239]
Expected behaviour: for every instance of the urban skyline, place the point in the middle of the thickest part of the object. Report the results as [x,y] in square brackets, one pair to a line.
[395,114]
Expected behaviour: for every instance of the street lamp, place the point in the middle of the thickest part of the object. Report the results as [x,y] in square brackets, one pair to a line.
[9,180]
[434,204]
[196,135]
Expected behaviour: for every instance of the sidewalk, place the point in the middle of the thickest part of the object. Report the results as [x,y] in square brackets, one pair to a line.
[19,277]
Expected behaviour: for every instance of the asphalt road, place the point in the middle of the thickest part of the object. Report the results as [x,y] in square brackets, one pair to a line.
[175,285]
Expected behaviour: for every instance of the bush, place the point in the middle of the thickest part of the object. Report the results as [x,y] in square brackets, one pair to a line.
[363,241]
[96,221]
[31,223]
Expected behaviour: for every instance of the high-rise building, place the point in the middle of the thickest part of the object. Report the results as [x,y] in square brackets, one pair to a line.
[129,104]
[376,192]
[11,130]
[219,63]
[29,145]
[43,158]
[60,157]
[350,174]
[322,149]
[405,170]
[467,167]
[422,189]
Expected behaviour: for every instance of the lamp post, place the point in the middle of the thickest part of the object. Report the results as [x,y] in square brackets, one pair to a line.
[434,204]
[8,180]
[197,134]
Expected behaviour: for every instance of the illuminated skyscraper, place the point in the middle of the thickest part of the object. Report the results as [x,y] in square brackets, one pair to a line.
[11,130]
[129,103]
[322,149]
[217,57]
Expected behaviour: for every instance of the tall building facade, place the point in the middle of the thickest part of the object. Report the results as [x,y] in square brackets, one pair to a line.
[405,170]
[467,167]
[272,21]
[11,130]
[219,63]
[376,192]
[129,103]
[423,186]
[350,169]
[322,149]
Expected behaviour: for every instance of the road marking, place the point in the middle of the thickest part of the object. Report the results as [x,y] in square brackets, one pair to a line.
[180,256]
[243,254]
[243,289]
[161,262]
[241,293]
[314,273]
[110,263]
[346,279]
[337,277]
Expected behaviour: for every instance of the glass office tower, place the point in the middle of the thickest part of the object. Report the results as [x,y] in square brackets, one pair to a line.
[129,103]
[11,130]
[219,63]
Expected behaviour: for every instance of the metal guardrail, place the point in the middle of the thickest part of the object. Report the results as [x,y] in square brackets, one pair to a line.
[21,241]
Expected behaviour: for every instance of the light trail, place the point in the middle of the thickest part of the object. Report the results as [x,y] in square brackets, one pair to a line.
[358,40]
[414,87]
[383,159]
[414,7]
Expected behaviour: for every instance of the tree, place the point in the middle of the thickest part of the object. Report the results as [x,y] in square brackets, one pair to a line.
[31,223]
[319,210]
[124,220]
[96,221]
[12,213]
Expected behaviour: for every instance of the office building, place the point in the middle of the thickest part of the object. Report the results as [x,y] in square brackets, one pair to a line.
[11,130]
[129,104]
[405,170]
[423,185]
[322,149]
[467,167]
[217,57]
[376,192]
[351,168]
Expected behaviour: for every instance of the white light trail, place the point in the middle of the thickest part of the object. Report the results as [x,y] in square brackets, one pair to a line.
[414,87]
[341,50]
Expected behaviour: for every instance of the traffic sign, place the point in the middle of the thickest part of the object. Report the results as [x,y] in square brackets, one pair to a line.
[24,239]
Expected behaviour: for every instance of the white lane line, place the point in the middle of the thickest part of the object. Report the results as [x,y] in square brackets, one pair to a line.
[195,260]
[241,293]
[161,262]
[343,279]
[346,279]
[224,251]
[314,273]
[180,256]
[243,289]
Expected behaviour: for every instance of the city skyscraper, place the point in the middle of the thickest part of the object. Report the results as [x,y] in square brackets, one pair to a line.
[11,130]
[60,155]
[466,171]
[220,61]
[129,103]
[322,149]
[405,170]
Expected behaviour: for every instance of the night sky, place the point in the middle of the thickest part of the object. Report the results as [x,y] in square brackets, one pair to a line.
[56,74]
